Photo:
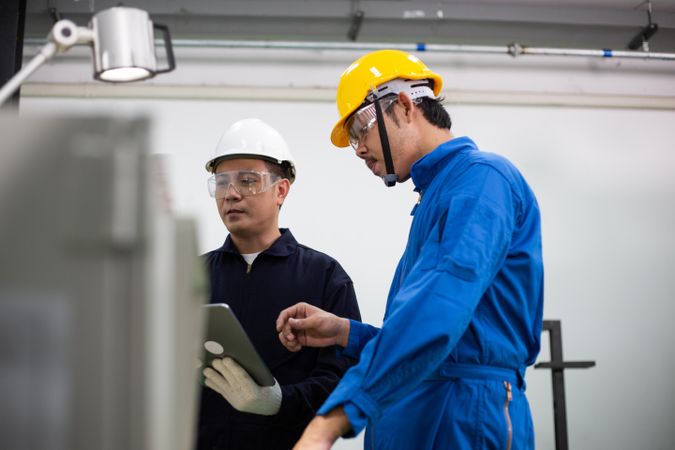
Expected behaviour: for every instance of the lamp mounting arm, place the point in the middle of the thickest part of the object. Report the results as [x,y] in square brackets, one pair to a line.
[63,35]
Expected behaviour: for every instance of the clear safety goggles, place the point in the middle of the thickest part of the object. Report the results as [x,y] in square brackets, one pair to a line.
[364,119]
[245,182]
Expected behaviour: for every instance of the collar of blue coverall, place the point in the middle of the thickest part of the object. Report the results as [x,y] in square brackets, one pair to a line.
[427,167]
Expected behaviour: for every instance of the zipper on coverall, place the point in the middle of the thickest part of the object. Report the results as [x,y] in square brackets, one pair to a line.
[509,396]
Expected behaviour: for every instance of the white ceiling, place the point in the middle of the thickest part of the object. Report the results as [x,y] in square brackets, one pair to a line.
[540,23]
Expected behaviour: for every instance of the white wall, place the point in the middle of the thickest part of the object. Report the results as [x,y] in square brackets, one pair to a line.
[604,177]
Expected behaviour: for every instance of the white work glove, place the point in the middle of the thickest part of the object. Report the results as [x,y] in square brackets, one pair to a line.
[231,381]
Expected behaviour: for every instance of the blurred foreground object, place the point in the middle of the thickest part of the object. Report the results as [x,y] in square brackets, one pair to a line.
[100,291]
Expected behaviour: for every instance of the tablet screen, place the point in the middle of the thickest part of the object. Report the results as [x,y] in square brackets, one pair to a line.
[226,337]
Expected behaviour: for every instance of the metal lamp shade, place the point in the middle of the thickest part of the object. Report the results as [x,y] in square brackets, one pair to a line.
[124,48]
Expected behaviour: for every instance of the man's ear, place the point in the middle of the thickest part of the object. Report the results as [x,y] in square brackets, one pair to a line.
[283,188]
[408,105]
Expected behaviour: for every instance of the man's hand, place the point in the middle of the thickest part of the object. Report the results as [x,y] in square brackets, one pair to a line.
[323,431]
[306,325]
[231,381]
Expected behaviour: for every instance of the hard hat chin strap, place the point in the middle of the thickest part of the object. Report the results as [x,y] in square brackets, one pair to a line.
[390,178]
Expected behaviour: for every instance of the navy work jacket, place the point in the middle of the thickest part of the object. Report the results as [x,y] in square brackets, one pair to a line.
[281,276]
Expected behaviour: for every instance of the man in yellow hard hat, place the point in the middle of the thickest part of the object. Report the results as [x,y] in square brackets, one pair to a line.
[260,270]
[464,312]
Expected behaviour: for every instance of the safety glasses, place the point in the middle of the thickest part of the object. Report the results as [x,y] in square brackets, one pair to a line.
[245,182]
[364,119]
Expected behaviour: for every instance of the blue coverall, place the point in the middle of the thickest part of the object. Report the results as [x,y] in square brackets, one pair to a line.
[463,316]
[282,275]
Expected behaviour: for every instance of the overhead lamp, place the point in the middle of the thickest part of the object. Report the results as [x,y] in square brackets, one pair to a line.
[123,47]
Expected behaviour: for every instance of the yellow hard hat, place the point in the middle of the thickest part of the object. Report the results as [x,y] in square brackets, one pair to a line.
[370,71]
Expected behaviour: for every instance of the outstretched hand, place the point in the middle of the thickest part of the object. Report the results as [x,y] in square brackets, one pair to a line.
[305,325]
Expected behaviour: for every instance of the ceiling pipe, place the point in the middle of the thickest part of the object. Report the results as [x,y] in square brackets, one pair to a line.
[327,95]
[514,49]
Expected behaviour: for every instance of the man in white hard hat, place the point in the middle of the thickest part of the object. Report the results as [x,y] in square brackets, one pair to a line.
[259,271]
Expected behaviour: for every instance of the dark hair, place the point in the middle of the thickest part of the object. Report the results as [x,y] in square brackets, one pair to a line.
[432,110]
[435,112]
[275,169]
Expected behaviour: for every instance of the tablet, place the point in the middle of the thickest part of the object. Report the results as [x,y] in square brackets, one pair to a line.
[225,337]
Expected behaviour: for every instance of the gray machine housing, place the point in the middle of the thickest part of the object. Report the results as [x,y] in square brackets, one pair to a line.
[101,289]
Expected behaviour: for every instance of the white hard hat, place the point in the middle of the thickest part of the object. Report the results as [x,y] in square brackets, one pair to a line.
[253,138]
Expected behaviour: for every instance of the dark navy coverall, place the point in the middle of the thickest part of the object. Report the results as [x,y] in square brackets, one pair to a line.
[281,276]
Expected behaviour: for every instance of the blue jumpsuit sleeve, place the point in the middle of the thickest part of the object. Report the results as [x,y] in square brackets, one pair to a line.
[359,335]
[460,255]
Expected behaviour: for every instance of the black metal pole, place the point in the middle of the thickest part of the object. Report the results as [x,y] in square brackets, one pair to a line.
[12,22]
[558,380]
[558,366]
